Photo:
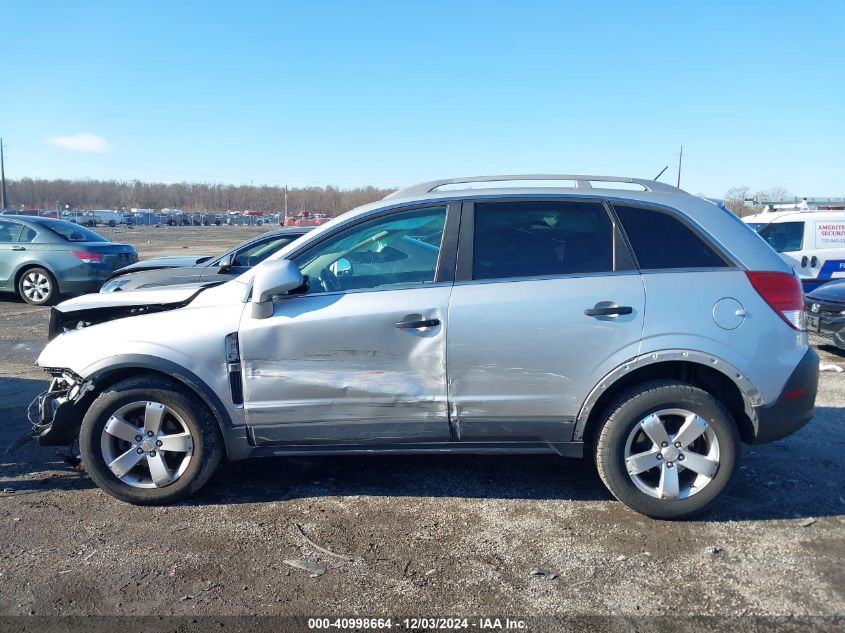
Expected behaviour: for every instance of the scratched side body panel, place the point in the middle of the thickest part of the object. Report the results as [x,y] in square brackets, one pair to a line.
[333,368]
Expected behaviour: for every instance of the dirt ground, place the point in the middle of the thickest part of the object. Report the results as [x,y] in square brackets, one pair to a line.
[421,535]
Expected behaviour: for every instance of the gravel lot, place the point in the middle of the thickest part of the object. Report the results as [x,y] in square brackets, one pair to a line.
[433,536]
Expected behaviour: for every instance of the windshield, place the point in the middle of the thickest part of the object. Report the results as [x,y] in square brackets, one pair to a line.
[73,232]
[784,237]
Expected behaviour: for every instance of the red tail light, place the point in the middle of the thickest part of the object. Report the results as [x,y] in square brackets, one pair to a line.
[89,258]
[784,295]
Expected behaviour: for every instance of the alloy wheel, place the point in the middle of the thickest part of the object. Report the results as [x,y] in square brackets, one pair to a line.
[672,454]
[35,286]
[146,444]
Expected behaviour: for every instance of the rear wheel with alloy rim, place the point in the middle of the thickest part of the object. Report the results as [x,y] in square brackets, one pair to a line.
[667,449]
[149,441]
[37,286]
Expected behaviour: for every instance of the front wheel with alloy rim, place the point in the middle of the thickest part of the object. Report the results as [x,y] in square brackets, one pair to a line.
[149,441]
[37,286]
[667,449]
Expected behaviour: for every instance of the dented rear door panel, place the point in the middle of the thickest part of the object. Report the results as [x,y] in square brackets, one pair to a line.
[334,369]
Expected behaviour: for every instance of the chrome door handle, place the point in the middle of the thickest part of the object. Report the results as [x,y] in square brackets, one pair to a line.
[609,311]
[18,248]
[410,325]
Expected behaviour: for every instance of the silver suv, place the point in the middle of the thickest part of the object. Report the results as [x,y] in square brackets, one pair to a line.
[616,318]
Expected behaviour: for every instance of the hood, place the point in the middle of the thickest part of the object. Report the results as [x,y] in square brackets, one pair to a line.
[94,308]
[832,291]
[175,261]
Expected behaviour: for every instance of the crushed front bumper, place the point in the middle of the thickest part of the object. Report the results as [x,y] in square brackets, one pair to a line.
[58,417]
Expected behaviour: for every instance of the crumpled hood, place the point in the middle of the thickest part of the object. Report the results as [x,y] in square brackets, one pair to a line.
[91,309]
[162,295]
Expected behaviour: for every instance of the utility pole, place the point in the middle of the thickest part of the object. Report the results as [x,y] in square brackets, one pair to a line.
[2,178]
[680,163]
[286,202]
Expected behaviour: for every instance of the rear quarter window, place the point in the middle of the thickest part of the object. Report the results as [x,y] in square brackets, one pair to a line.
[662,241]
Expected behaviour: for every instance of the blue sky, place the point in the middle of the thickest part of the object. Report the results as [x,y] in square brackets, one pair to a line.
[390,93]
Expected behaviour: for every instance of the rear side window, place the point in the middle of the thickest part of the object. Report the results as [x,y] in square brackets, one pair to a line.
[73,232]
[784,237]
[662,241]
[10,231]
[527,239]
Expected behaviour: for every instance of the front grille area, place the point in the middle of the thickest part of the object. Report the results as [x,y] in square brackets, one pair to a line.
[824,307]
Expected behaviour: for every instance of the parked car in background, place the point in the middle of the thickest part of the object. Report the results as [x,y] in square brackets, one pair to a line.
[165,271]
[648,329]
[83,218]
[826,312]
[811,242]
[42,213]
[41,258]
[306,218]
[107,217]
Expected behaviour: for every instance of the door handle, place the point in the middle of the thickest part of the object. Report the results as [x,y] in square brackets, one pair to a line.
[411,325]
[608,311]
[814,261]
[18,248]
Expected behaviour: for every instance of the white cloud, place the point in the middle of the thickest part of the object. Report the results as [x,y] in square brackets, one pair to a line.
[81,142]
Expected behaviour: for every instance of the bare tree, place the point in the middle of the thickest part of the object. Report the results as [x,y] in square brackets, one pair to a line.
[735,200]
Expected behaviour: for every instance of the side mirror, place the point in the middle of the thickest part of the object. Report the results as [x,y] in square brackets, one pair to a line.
[274,277]
[341,268]
[224,264]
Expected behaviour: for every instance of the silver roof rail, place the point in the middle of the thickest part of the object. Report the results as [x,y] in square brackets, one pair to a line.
[581,182]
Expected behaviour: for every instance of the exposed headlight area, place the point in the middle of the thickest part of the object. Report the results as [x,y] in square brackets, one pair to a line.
[51,413]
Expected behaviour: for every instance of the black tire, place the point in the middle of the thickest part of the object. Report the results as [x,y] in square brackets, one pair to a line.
[35,275]
[622,416]
[207,440]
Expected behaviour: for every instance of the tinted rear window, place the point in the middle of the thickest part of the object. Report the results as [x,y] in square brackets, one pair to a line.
[73,232]
[527,239]
[662,241]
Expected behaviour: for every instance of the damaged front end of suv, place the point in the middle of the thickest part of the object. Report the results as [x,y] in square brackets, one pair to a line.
[56,414]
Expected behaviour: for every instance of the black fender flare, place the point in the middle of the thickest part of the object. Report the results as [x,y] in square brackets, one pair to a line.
[101,370]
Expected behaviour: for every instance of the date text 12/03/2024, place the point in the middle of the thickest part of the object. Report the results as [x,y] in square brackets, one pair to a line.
[482,624]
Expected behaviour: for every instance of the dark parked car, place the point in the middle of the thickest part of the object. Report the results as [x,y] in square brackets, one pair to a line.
[826,312]
[166,271]
[41,258]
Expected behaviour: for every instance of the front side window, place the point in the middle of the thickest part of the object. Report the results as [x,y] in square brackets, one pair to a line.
[784,237]
[661,241]
[394,250]
[528,239]
[256,253]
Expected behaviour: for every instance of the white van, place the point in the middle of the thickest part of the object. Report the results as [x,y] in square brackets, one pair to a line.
[812,242]
[108,217]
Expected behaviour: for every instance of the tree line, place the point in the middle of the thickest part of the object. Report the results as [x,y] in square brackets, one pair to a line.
[113,194]
[34,193]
